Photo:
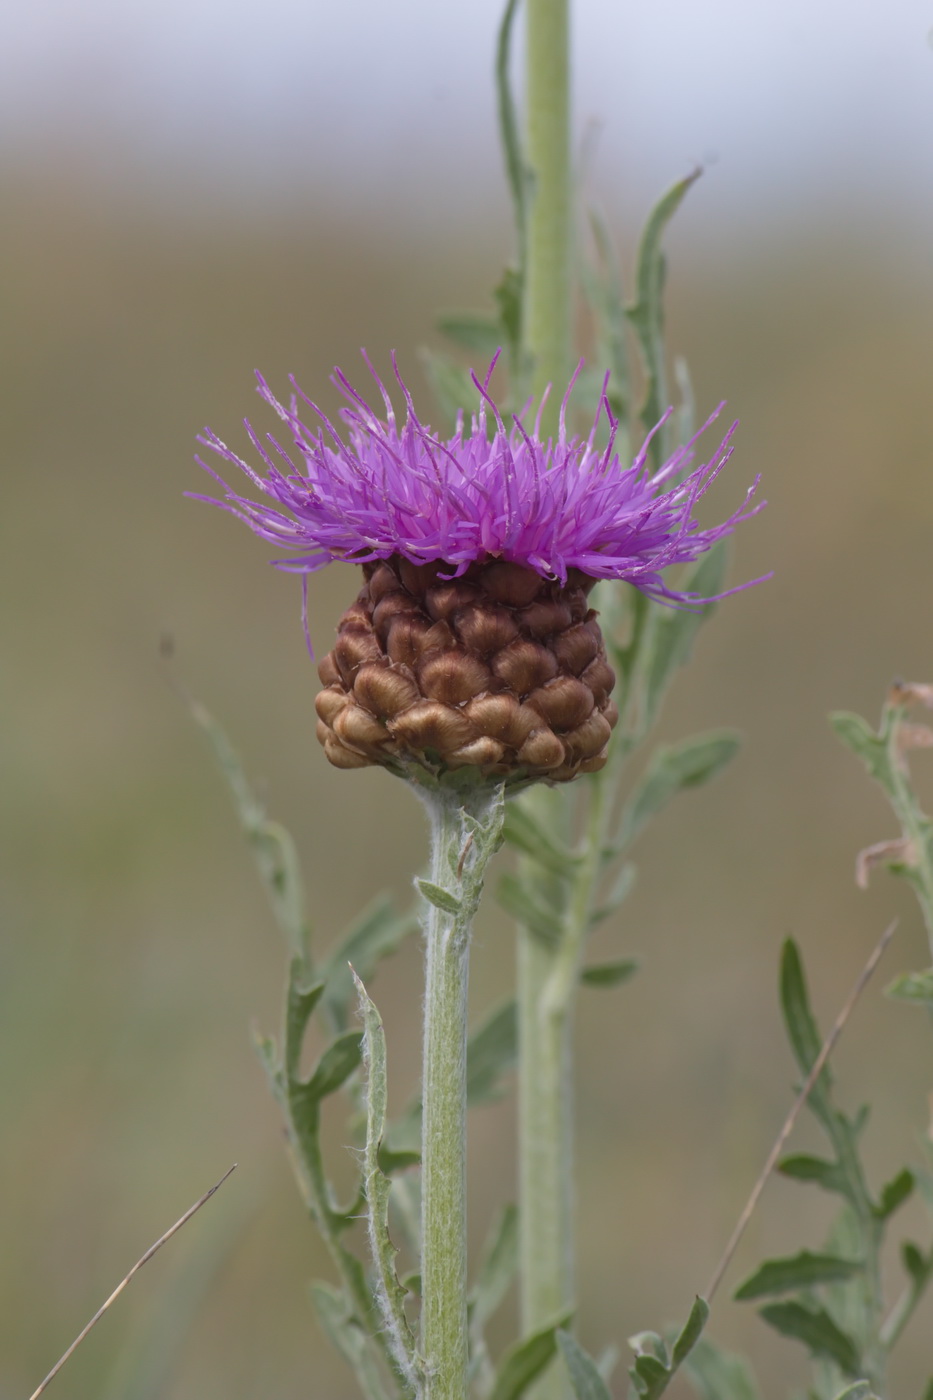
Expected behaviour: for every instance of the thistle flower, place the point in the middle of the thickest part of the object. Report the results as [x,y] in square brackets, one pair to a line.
[471,644]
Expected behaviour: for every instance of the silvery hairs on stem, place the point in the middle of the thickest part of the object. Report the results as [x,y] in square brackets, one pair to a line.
[470,649]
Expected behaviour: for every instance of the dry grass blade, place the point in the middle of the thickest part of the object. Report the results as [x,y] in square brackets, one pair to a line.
[825,1051]
[153,1249]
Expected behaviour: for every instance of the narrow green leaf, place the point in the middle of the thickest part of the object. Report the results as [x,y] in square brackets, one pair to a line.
[720,1375]
[913,986]
[492,1051]
[472,330]
[524,904]
[376,934]
[803,1167]
[441,899]
[611,974]
[690,1335]
[647,311]
[389,1292]
[816,1329]
[525,1361]
[523,830]
[300,1001]
[928,1393]
[335,1066]
[860,1391]
[497,1267]
[515,167]
[917,1265]
[672,768]
[675,629]
[801,1028]
[585,1379]
[349,1338]
[803,1270]
[858,735]
[894,1193]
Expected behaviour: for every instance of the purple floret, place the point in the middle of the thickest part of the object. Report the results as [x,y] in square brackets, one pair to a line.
[381,490]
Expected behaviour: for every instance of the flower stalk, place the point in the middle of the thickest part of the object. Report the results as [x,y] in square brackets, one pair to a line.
[466,829]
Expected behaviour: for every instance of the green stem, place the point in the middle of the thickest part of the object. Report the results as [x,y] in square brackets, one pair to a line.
[462,841]
[546,320]
[548,976]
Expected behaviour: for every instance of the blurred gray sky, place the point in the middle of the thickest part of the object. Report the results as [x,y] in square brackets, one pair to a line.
[795,101]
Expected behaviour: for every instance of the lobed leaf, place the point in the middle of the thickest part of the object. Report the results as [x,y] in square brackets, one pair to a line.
[803,1270]
[894,1193]
[611,974]
[818,1332]
[803,1167]
[857,734]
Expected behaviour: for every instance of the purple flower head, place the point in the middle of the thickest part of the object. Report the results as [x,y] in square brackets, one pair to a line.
[379,490]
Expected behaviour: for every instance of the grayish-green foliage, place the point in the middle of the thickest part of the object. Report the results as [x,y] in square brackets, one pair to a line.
[585,1377]
[656,1363]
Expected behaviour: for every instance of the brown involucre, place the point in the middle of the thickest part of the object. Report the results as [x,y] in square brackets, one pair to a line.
[500,671]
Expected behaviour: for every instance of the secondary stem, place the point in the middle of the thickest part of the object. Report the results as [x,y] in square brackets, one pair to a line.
[548,976]
[547,331]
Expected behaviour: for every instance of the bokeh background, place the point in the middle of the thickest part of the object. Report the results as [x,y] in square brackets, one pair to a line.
[191,190]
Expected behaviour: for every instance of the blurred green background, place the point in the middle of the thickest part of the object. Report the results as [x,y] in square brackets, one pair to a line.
[137,949]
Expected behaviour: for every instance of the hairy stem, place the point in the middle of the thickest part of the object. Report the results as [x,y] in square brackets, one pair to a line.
[463,838]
